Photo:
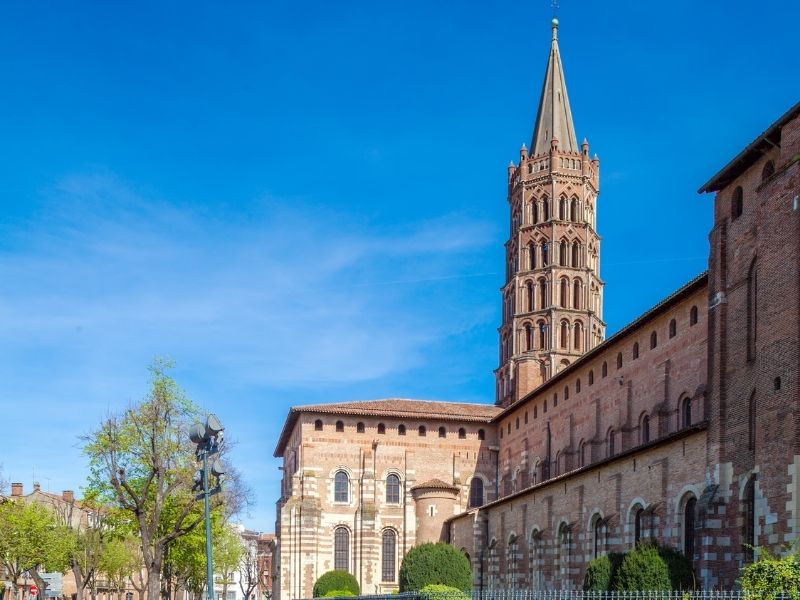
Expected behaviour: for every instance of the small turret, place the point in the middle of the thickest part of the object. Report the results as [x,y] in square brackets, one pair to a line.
[523,153]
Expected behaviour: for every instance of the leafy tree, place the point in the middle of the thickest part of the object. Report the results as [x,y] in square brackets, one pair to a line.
[681,574]
[228,550]
[119,559]
[437,563]
[643,569]
[142,463]
[770,576]
[31,541]
[336,581]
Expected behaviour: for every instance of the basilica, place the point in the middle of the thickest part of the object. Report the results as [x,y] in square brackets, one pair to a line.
[682,428]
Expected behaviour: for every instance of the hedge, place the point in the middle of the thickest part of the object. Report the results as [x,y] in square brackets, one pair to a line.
[336,581]
[643,569]
[437,563]
[436,591]
[770,576]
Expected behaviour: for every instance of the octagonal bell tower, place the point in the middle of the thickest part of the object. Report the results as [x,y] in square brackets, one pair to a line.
[553,294]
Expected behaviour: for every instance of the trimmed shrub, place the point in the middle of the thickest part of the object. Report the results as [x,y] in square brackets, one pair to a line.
[437,563]
[602,572]
[435,591]
[770,576]
[643,569]
[336,581]
[339,594]
[681,574]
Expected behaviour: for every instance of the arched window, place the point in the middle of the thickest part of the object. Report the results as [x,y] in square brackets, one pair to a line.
[318,425]
[389,558]
[562,209]
[635,352]
[737,203]
[481,434]
[637,525]
[535,212]
[564,334]
[749,538]
[574,211]
[392,489]
[401,430]
[688,528]
[536,559]
[421,431]
[545,209]
[528,337]
[582,453]
[529,293]
[339,426]
[686,412]
[381,429]
[341,549]
[476,492]
[619,360]
[564,293]
[599,537]
[768,171]
[645,429]
[442,432]
[693,316]
[566,393]
[673,328]
[543,303]
[612,439]
[591,377]
[604,369]
[341,487]
[359,427]
[462,433]
[562,253]
[576,255]
[576,295]
[564,540]
[578,386]
[653,340]
[541,335]
[545,254]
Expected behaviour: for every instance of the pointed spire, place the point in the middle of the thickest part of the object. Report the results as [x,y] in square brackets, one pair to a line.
[554,119]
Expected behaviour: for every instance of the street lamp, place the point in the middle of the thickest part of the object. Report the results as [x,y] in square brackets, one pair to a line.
[208,438]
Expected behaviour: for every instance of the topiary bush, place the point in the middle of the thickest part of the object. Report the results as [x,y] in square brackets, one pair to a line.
[681,574]
[339,594]
[336,581]
[643,569]
[437,563]
[770,576]
[601,572]
[435,591]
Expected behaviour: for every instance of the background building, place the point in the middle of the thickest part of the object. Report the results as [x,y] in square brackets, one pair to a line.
[681,428]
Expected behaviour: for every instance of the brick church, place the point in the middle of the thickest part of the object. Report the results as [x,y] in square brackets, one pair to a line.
[683,427]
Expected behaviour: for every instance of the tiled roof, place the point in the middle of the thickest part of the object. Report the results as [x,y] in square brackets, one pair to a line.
[393,407]
[435,484]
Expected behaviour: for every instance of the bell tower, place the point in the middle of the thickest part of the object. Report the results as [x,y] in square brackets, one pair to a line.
[553,294]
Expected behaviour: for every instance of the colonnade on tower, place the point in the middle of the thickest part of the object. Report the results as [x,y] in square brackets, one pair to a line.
[553,294]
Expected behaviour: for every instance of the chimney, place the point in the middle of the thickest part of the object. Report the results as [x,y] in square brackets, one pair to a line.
[16,489]
[68,496]
[36,486]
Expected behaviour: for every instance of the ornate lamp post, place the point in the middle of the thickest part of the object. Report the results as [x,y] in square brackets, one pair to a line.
[208,439]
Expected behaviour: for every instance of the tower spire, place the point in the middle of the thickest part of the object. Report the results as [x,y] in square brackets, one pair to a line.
[554,119]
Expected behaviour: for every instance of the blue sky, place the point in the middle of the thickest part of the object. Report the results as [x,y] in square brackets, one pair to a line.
[305,202]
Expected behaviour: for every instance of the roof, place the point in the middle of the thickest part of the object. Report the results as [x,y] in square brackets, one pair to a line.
[435,484]
[766,140]
[554,119]
[392,407]
[697,283]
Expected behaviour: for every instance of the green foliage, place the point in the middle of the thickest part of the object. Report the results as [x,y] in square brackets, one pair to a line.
[770,576]
[435,591]
[601,574]
[643,569]
[339,594]
[437,563]
[118,560]
[336,581]
[681,574]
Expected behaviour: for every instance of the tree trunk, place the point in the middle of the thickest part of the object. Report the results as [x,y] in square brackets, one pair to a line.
[40,583]
[154,582]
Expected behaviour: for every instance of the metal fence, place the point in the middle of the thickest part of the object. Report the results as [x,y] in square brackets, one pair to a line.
[527,594]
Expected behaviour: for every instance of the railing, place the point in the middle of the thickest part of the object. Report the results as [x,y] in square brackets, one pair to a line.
[527,594]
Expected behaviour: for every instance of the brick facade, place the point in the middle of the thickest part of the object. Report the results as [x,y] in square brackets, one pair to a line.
[682,428]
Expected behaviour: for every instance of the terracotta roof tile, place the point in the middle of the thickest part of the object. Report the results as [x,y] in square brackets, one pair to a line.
[436,484]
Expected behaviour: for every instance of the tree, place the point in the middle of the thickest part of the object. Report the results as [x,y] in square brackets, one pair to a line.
[437,563]
[142,463]
[249,567]
[228,550]
[335,581]
[643,569]
[119,560]
[770,576]
[32,540]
